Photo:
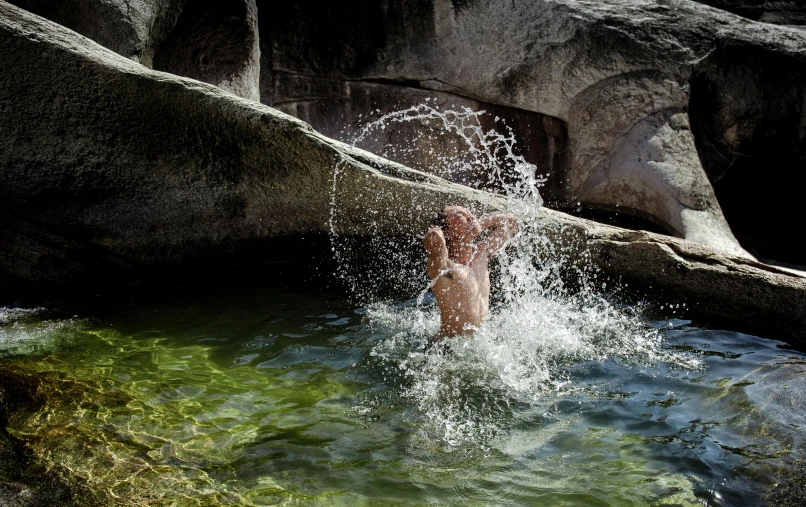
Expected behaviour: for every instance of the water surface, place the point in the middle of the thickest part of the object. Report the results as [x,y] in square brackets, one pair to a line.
[255,395]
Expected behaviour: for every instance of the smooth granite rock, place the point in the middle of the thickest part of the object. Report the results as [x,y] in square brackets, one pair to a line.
[132,28]
[215,41]
[579,82]
[110,170]
[605,71]
[104,159]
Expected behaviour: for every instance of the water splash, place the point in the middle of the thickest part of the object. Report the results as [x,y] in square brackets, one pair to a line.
[539,332]
[455,145]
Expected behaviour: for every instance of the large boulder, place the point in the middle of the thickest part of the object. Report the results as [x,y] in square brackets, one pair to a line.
[582,86]
[107,164]
[109,169]
[215,41]
[608,72]
[133,29]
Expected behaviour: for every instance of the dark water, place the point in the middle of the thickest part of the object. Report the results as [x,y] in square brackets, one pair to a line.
[258,395]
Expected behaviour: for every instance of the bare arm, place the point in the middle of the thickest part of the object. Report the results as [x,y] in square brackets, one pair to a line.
[437,252]
[498,229]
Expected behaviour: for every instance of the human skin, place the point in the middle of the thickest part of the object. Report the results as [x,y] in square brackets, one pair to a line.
[457,263]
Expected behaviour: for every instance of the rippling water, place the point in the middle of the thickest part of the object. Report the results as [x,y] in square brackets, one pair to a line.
[262,396]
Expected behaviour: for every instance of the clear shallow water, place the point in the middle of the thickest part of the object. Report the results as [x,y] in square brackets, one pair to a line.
[261,395]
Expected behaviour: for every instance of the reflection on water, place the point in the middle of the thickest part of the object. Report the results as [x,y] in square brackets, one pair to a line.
[255,396]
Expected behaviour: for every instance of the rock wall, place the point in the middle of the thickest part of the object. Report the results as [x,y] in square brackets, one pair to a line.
[607,72]
[132,28]
[571,63]
[110,170]
[107,165]
[214,41]
[582,84]
[780,12]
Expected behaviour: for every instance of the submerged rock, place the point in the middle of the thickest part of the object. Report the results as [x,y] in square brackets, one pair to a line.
[111,170]
[25,479]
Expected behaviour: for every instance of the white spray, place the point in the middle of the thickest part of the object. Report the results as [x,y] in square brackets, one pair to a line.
[465,389]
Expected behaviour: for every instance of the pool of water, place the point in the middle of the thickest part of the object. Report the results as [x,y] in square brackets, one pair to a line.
[258,395]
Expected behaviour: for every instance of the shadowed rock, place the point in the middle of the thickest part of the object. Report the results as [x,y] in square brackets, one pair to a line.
[780,12]
[752,142]
[215,41]
[132,28]
[108,170]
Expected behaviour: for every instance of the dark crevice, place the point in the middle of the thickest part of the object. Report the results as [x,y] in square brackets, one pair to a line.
[409,83]
[747,116]
[211,42]
[625,218]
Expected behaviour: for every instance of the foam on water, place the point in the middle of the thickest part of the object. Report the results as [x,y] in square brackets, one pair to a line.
[466,389]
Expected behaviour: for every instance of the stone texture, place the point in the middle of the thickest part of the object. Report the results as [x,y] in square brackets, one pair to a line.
[747,109]
[109,170]
[609,68]
[216,42]
[600,68]
[650,171]
[342,109]
[132,28]
[781,12]
[110,165]
[709,282]
[575,80]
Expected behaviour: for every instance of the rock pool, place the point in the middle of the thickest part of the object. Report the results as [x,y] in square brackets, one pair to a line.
[269,395]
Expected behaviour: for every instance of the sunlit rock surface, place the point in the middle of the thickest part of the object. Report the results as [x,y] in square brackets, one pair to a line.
[607,71]
[109,168]
[580,83]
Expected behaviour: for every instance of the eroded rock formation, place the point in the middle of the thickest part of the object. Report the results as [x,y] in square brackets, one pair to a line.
[585,86]
[213,41]
[608,72]
[109,169]
[133,29]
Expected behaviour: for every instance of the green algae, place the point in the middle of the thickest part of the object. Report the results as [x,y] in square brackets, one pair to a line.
[256,400]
